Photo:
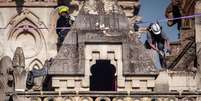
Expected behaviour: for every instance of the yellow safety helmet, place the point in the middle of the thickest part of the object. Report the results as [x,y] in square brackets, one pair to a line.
[63,9]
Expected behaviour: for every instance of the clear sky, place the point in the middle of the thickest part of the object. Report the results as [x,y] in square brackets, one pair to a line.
[153,10]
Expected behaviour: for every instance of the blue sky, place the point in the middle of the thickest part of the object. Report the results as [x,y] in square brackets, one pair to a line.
[153,10]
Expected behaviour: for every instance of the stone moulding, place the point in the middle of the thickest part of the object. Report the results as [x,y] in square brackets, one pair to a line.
[26,25]
[24,31]
[109,96]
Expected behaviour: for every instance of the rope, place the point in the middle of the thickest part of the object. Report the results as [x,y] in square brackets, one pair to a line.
[38,28]
[140,22]
[165,20]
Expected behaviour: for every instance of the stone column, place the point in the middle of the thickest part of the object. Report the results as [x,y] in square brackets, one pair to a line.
[198,40]
[19,70]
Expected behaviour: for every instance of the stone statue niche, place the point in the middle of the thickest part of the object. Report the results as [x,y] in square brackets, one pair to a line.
[36,77]
[19,71]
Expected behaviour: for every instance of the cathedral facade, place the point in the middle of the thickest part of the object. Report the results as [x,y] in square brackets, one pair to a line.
[101,57]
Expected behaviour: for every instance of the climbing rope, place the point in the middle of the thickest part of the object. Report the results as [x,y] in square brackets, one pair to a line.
[165,20]
[140,22]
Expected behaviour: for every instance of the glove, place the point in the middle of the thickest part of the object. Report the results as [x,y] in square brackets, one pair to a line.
[169,51]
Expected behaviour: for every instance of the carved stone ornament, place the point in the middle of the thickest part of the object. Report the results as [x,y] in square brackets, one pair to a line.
[19,70]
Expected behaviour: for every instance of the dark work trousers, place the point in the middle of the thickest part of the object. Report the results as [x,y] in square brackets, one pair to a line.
[161,54]
[62,34]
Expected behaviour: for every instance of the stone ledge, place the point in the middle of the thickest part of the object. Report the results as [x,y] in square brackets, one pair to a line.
[31,4]
[104,93]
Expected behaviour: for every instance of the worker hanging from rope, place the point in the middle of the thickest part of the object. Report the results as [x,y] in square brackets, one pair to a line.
[64,23]
[158,41]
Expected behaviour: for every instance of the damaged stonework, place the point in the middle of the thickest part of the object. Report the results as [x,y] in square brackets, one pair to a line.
[140,58]
[198,52]
[185,59]
[198,41]
[66,62]
[13,74]
[99,6]
[102,28]
[100,32]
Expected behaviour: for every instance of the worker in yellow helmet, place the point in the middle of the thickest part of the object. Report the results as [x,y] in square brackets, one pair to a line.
[64,23]
[63,9]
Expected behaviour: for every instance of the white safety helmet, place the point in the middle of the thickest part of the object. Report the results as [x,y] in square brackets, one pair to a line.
[155,28]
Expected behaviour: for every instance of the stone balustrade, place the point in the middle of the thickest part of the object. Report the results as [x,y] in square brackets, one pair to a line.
[106,96]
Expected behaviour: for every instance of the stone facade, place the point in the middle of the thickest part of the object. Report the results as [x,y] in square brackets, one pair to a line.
[197,27]
[22,30]
[31,25]
[100,34]
[186,30]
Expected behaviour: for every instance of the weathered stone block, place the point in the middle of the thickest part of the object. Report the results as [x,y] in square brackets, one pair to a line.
[161,84]
[71,83]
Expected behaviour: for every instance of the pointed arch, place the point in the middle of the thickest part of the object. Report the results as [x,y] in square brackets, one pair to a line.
[26,14]
[24,32]
[36,63]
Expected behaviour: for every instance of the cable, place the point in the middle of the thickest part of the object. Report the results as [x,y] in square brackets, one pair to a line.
[140,22]
[164,20]
[39,28]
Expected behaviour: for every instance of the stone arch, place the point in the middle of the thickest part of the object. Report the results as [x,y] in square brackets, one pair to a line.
[26,14]
[102,99]
[188,99]
[36,63]
[69,99]
[107,65]
[24,32]
[103,71]
[85,99]
[28,39]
